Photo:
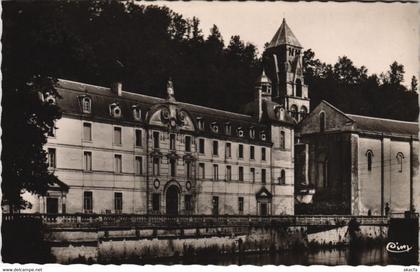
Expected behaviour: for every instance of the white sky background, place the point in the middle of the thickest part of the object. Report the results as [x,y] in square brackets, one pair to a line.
[370,34]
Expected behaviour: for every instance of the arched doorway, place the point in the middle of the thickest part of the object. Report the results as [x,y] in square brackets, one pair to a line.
[172,200]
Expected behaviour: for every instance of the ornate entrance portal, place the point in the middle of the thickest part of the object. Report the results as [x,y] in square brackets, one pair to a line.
[172,200]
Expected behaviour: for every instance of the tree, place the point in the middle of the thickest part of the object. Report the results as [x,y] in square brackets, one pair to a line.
[26,120]
[347,73]
[396,73]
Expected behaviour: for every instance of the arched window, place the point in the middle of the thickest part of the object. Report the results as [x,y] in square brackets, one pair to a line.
[369,155]
[303,112]
[298,88]
[282,140]
[322,121]
[294,111]
[282,178]
[400,158]
[322,170]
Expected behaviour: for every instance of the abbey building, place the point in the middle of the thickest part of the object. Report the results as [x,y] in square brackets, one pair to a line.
[120,152]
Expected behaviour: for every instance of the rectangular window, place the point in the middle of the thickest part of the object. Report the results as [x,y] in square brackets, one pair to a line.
[51,158]
[155,139]
[87,132]
[215,172]
[86,105]
[228,150]
[156,202]
[228,172]
[241,173]
[241,205]
[215,148]
[252,153]
[201,171]
[200,124]
[118,202]
[263,209]
[201,146]
[139,165]
[139,141]
[241,151]
[187,143]
[188,169]
[172,163]
[188,203]
[51,131]
[117,164]
[215,204]
[156,166]
[263,154]
[282,140]
[87,202]
[117,136]
[252,171]
[263,176]
[228,129]
[88,161]
[172,141]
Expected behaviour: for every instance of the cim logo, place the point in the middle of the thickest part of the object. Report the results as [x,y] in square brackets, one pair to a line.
[395,247]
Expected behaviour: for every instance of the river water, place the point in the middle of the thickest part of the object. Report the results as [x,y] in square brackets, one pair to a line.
[344,256]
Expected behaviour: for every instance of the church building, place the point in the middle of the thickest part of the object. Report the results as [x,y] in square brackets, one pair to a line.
[357,165]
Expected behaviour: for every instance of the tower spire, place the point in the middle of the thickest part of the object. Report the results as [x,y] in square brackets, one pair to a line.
[283,64]
[284,36]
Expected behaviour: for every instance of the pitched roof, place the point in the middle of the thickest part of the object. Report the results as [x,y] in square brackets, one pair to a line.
[374,125]
[284,35]
[386,126]
[263,78]
[102,98]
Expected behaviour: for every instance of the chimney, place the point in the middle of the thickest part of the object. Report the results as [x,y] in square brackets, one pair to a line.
[116,88]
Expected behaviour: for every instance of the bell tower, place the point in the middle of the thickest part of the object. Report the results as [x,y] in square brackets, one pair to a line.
[282,61]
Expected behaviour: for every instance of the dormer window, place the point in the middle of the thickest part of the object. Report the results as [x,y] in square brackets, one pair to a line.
[86,105]
[115,110]
[136,113]
[240,132]
[279,111]
[252,133]
[228,129]
[263,137]
[200,123]
[215,127]
[49,99]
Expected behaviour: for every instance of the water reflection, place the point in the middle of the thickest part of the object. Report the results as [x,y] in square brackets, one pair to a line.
[347,256]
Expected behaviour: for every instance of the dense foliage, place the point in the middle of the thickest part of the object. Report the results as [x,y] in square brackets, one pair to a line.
[352,90]
[100,42]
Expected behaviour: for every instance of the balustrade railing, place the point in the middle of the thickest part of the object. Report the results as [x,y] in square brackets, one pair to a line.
[142,220]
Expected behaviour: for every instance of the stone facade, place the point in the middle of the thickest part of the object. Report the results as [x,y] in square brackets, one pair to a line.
[121,152]
[131,153]
[368,163]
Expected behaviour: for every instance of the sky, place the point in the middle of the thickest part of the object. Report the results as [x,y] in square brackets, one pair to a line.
[370,34]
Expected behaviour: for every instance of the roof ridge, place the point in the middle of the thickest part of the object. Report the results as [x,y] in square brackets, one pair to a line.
[336,109]
[383,119]
[144,95]
[82,83]
[200,106]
